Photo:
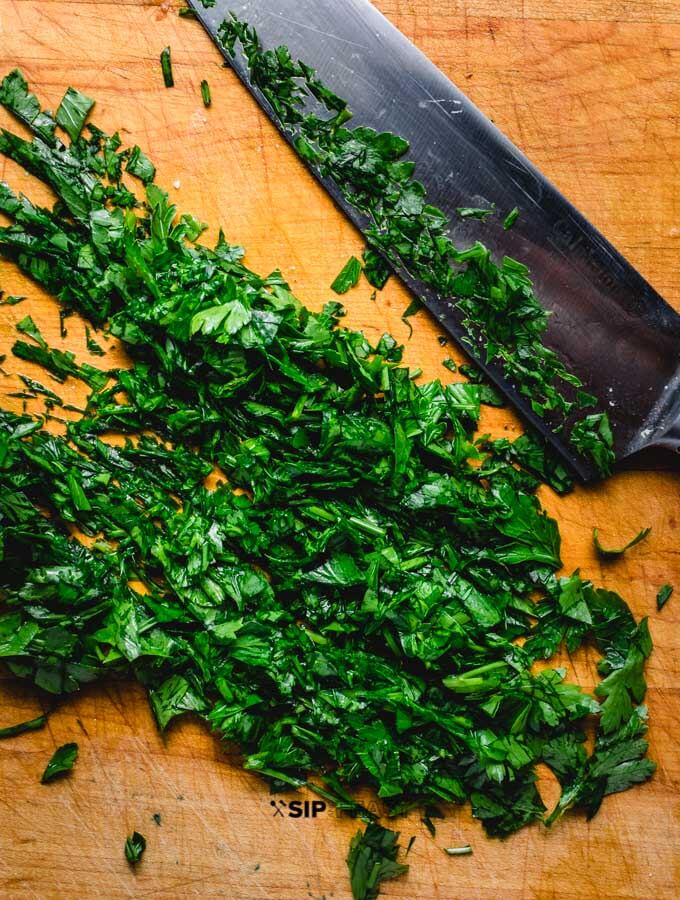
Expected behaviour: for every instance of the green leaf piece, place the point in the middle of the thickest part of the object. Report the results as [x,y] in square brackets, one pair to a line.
[62,761]
[348,277]
[605,553]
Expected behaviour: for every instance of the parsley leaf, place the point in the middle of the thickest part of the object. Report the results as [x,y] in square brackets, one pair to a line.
[372,859]
[348,277]
[604,553]
[30,725]
[62,761]
[663,596]
[135,845]
[73,111]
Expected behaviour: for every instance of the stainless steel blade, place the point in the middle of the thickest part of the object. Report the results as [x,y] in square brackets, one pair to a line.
[609,325]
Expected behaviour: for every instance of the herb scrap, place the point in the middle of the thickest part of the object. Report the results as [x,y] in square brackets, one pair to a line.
[135,845]
[62,761]
[605,553]
[372,859]
[511,218]
[166,68]
[465,850]
[23,727]
[73,111]
[205,94]
[663,596]
[348,277]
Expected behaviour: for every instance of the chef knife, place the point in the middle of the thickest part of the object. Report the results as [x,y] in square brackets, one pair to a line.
[609,326]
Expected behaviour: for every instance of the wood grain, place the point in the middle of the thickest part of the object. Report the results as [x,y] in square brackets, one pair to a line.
[591,91]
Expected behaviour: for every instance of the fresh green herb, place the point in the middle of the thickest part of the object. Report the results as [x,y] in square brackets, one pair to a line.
[442,340]
[63,760]
[205,93]
[495,304]
[15,97]
[411,842]
[376,270]
[511,218]
[450,364]
[91,344]
[135,845]
[592,437]
[369,585]
[166,68]
[473,212]
[663,596]
[187,12]
[22,727]
[27,326]
[604,553]
[157,818]
[139,165]
[73,111]
[348,277]
[10,300]
[372,859]
[465,850]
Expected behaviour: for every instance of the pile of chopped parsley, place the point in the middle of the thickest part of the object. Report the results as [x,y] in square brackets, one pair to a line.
[503,320]
[362,597]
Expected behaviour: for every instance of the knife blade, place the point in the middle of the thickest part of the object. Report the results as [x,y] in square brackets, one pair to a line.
[609,325]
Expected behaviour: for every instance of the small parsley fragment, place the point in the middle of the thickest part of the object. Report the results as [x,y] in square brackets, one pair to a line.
[73,111]
[474,212]
[605,553]
[139,165]
[465,850]
[15,97]
[592,436]
[663,596]
[91,344]
[135,845]
[63,760]
[493,301]
[376,270]
[166,68]
[205,93]
[10,300]
[348,277]
[511,218]
[22,727]
[372,859]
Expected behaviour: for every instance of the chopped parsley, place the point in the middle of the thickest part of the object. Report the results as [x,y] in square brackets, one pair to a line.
[663,596]
[62,761]
[605,553]
[348,277]
[504,321]
[166,68]
[359,600]
[135,845]
[21,728]
[372,859]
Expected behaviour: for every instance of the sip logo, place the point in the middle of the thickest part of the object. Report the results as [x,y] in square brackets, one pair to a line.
[298,809]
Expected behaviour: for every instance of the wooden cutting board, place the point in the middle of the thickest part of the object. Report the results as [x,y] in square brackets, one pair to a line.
[591,91]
